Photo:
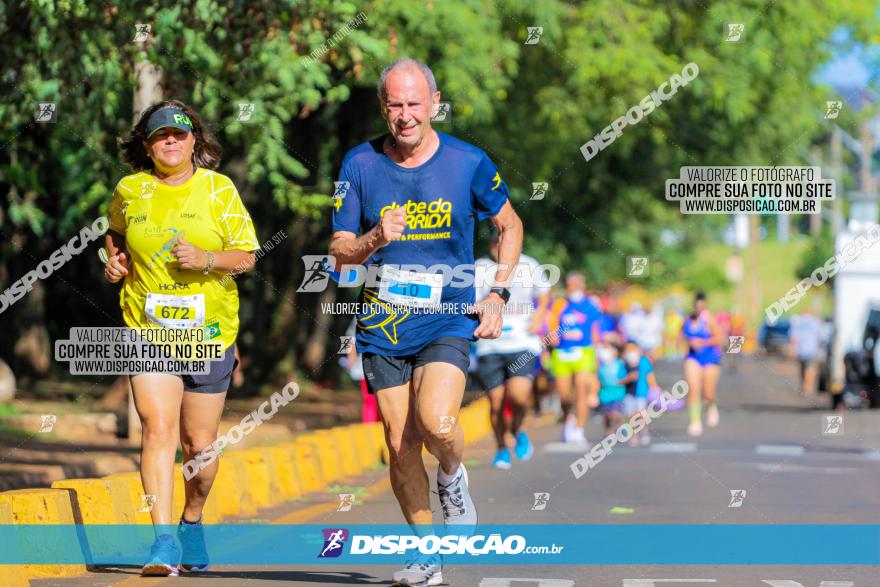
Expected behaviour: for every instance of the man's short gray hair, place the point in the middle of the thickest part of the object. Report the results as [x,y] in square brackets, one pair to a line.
[406,62]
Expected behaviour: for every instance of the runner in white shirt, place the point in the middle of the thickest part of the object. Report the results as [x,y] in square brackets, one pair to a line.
[507,364]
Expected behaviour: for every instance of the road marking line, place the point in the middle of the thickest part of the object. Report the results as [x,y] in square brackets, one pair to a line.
[673,447]
[780,449]
[567,447]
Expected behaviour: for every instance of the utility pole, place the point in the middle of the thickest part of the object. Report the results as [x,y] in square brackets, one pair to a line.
[837,170]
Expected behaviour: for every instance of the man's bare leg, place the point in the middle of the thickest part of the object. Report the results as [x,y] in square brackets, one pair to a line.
[439,388]
[409,481]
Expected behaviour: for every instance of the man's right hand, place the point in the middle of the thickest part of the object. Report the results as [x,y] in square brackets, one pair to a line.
[392,225]
[116,267]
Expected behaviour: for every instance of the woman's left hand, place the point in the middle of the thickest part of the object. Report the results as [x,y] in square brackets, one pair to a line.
[189,256]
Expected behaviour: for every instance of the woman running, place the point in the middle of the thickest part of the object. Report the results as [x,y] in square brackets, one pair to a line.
[176,229]
[702,365]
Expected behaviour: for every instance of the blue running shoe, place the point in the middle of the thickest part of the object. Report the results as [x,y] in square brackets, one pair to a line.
[523,449]
[502,459]
[195,554]
[164,556]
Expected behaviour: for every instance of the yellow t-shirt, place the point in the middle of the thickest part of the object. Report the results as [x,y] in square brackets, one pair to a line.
[207,210]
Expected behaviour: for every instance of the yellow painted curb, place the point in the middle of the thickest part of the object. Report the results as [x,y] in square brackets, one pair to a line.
[92,500]
[285,465]
[248,477]
[129,493]
[345,441]
[327,455]
[43,506]
[308,467]
[13,575]
[265,486]
[368,453]
[377,430]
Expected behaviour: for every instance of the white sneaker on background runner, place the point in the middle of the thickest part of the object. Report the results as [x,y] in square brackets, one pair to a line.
[568,428]
[712,416]
[577,436]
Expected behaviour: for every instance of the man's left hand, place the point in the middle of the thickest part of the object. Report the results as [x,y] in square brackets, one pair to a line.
[491,311]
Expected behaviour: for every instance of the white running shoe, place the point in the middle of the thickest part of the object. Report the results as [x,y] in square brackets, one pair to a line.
[577,436]
[712,416]
[695,429]
[422,570]
[455,499]
[568,428]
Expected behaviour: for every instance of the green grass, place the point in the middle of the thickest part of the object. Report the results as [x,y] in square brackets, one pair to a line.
[776,267]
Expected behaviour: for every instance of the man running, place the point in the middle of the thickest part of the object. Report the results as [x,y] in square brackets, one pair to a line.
[507,364]
[575,322]
[414,196]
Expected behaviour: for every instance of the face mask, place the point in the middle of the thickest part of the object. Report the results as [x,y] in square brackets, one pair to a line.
[631,358]
[606,355]
[576,296]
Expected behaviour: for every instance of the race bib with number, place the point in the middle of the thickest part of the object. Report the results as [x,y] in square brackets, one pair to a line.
[176,311]
[409,288]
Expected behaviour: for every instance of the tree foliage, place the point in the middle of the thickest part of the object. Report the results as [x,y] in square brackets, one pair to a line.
[530,107]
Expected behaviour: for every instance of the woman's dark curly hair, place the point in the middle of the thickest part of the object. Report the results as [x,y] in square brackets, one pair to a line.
[206,152]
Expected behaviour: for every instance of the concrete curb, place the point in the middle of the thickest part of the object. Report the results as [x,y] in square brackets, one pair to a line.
[247,480]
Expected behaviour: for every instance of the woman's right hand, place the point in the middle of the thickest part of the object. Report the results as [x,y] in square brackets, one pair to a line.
[116,268]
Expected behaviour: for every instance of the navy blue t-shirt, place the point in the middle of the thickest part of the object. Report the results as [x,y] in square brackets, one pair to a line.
[445,197]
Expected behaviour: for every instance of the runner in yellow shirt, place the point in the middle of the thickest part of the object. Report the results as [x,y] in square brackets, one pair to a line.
[177,230]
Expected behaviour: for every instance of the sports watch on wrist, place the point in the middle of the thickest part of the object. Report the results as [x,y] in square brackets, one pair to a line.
[501,291]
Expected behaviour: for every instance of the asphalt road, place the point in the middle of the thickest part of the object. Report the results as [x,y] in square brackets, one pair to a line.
[771,443]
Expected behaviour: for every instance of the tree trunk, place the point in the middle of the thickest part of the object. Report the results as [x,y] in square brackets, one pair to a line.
[147,92]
